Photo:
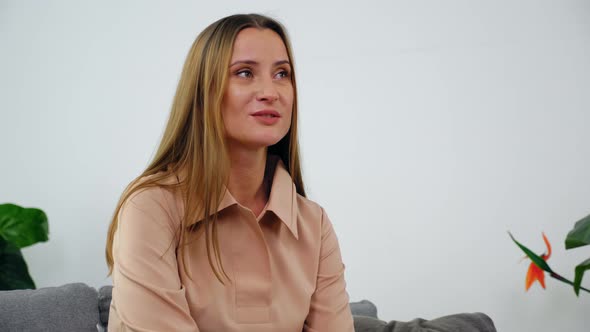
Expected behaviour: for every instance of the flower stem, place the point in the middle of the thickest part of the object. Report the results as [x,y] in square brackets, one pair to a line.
[562,279]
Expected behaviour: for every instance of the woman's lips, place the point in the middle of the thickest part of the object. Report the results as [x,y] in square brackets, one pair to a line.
[267,117]
[271,113]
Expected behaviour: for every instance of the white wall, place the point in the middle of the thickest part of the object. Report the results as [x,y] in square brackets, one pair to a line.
[429,130]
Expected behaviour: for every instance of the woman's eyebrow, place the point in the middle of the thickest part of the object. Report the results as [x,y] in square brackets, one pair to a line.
[254,63]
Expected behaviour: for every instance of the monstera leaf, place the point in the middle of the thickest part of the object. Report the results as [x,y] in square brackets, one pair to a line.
[579,236]
[14,273]
[19,227]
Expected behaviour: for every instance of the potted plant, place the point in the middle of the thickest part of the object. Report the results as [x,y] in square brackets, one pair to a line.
[19,227]
[579,236]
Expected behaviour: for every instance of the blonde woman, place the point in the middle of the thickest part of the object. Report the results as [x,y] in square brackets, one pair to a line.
[217,234]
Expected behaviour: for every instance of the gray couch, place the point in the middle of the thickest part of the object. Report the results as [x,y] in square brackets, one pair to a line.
[78,307]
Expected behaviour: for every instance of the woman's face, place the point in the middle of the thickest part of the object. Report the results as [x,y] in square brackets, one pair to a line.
[258,102]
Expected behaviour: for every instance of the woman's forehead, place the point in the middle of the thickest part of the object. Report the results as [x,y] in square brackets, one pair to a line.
[258,45]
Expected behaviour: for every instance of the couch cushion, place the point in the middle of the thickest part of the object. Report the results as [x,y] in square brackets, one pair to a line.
[104,304]
[363,308]
[368,324]
[464,322]
[71,307]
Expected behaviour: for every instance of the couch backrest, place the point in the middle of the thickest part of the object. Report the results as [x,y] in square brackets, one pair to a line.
[78,307]
[71,307]
[104,304]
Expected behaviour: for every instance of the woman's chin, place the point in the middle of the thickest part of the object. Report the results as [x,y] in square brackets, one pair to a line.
[256,143]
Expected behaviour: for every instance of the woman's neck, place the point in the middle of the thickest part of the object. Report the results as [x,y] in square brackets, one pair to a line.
[246,179]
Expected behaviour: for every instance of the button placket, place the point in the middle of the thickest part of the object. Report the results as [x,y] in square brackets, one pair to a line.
[251,266]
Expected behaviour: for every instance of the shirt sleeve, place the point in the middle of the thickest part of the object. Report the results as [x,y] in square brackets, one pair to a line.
[147,292]
[329,308]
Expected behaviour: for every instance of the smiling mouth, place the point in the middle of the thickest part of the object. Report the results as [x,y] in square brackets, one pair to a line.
[267,114]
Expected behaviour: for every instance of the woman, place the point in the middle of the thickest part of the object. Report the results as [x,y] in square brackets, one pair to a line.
[216,234]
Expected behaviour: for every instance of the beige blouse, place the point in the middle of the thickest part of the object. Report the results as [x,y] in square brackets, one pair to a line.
[285,266]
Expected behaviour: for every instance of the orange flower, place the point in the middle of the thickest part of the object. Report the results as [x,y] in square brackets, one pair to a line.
[535,272]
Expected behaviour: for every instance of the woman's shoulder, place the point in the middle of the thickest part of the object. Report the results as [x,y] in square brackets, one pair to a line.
[148,211]
[306,203]
[313,221]
[309,210]
[154,191]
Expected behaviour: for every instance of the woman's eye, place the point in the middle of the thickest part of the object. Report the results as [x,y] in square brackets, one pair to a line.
[282,74]
[246,73]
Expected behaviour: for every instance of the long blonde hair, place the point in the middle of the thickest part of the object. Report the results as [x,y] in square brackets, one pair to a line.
[194,139]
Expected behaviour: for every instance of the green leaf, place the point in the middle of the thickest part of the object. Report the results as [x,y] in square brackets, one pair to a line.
[580,269]
[579,235]
[540,262]
[14,273]
[23,226]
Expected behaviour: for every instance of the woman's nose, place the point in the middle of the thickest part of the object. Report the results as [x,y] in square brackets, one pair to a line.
[267,91]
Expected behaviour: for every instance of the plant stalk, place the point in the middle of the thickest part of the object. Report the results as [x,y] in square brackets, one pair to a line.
[562,279]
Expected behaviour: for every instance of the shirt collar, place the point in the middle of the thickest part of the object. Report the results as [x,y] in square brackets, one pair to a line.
[282,200]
